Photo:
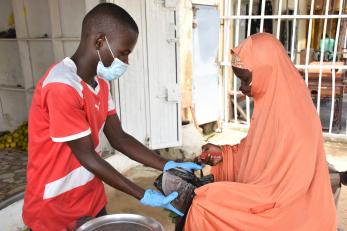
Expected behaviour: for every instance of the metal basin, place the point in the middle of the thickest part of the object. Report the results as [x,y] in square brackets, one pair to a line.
[122,222]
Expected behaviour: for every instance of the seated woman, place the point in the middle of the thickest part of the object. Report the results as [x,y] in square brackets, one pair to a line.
[277,177]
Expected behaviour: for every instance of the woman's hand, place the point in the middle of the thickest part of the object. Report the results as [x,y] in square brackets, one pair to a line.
[212,148]
[211,154]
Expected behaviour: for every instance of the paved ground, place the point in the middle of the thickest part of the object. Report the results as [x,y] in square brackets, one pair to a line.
[342,208]
[337,152]
[121,203]
[12,173]
[325,115]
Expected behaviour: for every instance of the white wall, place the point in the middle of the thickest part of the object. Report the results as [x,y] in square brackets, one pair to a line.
[206,2]
[6,9]
[11,217]
[141,94]
[10,66]
[12,109]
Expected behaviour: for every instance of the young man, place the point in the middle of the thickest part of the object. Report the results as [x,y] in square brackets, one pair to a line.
[70,108]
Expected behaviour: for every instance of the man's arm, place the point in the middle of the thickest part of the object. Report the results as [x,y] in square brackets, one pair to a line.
[129,146]
[84,151]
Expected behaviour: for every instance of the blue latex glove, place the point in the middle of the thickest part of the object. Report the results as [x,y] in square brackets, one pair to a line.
[156,199]
[189,166]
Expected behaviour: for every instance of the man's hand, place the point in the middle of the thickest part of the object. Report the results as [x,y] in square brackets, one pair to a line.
[189,166]
[156,199]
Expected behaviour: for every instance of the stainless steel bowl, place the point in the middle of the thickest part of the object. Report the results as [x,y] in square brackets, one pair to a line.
[122,222]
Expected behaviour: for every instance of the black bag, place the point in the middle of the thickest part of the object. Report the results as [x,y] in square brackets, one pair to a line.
[183,182]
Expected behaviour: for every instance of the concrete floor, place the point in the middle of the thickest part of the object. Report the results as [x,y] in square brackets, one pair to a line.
[12,175]
[325,115]
[342,209]
[122,203]
[337,152]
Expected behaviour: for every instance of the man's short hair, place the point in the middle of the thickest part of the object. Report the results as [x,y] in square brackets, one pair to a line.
[107,18]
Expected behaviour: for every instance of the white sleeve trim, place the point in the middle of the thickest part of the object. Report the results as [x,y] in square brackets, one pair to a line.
[111,108]
[72,137]
[111,105]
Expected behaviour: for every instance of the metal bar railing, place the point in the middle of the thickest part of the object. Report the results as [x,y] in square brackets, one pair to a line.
[227,9]
[250,10]
[308,48]
[262,14]
[286,16]
[333,70]
[320,66]
[237,35]
[322,56]
[279,20]
[248,103]
[325,66]
[292,55]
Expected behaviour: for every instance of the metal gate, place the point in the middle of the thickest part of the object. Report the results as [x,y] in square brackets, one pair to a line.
[314,34]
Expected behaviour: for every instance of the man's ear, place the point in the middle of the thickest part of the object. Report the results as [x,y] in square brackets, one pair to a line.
[98,44]
[100,38]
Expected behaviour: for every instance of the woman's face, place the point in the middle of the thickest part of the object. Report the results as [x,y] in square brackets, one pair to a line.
[246,80]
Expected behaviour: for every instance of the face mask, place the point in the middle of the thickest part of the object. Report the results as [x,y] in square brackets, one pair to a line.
[114,71]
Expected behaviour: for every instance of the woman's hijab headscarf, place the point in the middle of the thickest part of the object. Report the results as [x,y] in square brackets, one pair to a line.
[277,177]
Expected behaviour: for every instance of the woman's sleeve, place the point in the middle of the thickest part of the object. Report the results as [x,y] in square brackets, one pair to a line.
[228,168]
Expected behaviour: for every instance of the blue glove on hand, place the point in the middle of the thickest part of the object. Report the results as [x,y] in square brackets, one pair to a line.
[156,199]
[189,166]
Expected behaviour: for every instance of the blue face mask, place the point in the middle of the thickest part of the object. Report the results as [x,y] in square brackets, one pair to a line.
[114,71]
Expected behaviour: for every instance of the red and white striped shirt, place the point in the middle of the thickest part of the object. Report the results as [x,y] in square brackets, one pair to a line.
[59,190]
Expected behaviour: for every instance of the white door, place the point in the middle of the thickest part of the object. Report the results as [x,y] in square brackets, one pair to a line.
[205,67]
[164,98]
[147,95]
[132,88]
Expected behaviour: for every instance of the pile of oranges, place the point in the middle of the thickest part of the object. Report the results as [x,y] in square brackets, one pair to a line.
[18,139]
